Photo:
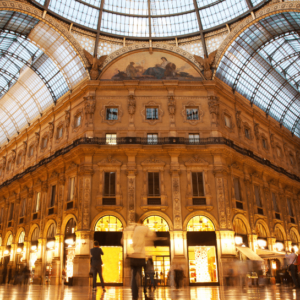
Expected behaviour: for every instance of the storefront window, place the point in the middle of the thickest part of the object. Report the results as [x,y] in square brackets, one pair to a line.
[69,244]
[9,240]
[201,241]
[160,253]
[33,248]
[156,223]
[109,223]
[200,223]
[108,231]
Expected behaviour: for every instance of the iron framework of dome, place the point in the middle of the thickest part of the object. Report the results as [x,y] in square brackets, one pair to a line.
[150,19]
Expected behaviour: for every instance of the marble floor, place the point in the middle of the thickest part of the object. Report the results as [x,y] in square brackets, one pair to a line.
[34,292]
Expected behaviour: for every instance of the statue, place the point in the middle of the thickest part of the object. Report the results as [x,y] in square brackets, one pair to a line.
[96,64]
[206,64]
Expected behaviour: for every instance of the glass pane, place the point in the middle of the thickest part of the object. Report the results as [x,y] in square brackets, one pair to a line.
[202,264]
[156,223]
[112,268]
[239,226]
[109,223]
[200,223]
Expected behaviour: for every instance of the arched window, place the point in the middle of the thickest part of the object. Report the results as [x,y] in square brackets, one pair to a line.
[200,223]
[156,223]
[9,240]
[261,231]
[35,234]
[278,234]
[294,237]
[239,227]
[21,237]
[70,227]
[51,231]
[109,223]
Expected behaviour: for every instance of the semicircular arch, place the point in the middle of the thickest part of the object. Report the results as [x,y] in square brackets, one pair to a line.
[265,226]
[245,221]
[159,214]
[47,225]
[107,213]
[67,218]
[281,228]
[31,230]
[201,213]
[295,231]
[8,233]
[20,230]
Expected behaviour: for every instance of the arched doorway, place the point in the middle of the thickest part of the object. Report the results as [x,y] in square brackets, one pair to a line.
[69,249]
[202,251]
[34,248]
[7,251]
[50,246]
[19,256]
[240,229]
[160,251]
[279,245]
[262,236]
[108,232]
[295,241]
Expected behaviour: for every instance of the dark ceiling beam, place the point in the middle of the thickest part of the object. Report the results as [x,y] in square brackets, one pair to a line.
[98,29]
[200,28]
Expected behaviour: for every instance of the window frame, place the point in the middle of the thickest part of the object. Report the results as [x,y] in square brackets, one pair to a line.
[110,193]
[107,139]
[107,114]
[194,140]
[156,108]
[203,184]
[152,140]
[52,198]
[154,187]
[187,115]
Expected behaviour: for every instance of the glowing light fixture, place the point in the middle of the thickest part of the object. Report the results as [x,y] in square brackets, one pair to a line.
[50,244]
[19,250]
[274,266]
[130,242]
[262,243]
[6,252]
[238,240]
[279,246]
[33,247]
[296,248]
[83,242]
[69,241]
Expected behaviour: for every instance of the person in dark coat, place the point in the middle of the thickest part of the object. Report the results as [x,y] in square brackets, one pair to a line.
[4,274]
[96,265]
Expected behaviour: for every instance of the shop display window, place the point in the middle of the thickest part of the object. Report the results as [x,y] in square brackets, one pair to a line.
[200,223]
[156,223]
[112,268]
[202,264]
[109,223]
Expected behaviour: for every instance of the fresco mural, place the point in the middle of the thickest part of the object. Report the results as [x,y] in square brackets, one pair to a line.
[155,66]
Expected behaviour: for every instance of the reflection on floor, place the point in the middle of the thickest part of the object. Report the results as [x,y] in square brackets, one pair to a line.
[34,292]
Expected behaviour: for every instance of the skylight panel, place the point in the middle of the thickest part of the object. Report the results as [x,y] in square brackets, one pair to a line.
[131,7]
[222,12]
[167,7]
[76,12]
[175,25]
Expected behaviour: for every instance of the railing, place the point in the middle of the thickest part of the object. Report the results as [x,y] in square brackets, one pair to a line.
[144,141]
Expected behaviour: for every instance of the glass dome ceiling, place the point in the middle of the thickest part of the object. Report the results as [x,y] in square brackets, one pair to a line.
[155,19]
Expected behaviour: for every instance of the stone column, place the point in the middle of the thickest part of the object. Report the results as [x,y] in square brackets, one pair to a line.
[271,243]
[56,261]
[81,263]
[38,271]
[225,237]
[250,205]
[269,209]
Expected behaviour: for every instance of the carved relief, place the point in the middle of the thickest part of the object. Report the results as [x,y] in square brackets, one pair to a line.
[67,118]
[3,162]
[51,129]
[191,105]
[206,63]
[131,199]
[221,202]
[238,119]
[171,105]
[176,201]
[272,140]
[152,104]
[86,204]
[13,156]
[37,138]
[89,109]
[131,104]
[256,131]
[196,159]
[95,64]
[213,105]
[104,114]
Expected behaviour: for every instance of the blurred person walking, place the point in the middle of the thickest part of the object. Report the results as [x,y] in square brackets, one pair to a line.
[141,234]
[96,265]
[292,266]
[150,273]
